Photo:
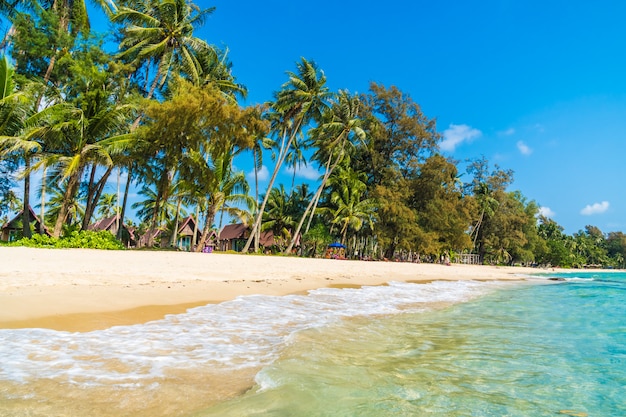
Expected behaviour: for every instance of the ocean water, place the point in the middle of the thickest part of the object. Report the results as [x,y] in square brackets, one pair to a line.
[435,349]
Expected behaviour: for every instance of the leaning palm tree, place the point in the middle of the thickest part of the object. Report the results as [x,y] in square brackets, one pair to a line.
[340,128]
[302,100]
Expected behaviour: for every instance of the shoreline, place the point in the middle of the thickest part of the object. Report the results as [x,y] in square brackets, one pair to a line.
[85,289]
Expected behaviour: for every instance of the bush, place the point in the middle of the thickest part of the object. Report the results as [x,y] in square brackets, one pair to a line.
[82,239]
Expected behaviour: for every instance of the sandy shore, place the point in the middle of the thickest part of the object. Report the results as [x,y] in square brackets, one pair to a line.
[41,287]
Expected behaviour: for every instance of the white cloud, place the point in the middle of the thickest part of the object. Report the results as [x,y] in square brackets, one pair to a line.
[457,134]
[306,172]
[546,212]
[263,174]
[595,208]
[523,148]
[509,132]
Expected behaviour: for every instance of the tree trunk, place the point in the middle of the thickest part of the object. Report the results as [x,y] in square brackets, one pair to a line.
[313,203]
[98,188]
[256,199]
[174,237]
[123,213]
[150,94]
[210,216]
[42,214]
[281,158]
[70,192]
[194,239]
[89,204]
[26,208]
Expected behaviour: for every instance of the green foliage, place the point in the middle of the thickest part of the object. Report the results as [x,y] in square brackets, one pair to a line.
[315,240]
[82,239]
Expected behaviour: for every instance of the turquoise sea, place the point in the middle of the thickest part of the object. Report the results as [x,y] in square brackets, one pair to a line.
[535,348]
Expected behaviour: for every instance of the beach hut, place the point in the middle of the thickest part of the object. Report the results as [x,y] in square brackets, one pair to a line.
[111,224]
[234,236]
[184,237]
[12,230]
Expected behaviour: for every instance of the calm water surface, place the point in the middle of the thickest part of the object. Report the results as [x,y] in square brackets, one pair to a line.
[440,349]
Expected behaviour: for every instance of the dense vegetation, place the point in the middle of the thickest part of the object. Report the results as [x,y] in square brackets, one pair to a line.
[163,109]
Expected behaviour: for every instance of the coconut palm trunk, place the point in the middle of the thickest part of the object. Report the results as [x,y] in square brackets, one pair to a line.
[26,208]
[70,192]
[314,201]
[256,227]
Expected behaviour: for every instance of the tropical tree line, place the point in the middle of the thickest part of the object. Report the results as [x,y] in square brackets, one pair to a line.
[155,108]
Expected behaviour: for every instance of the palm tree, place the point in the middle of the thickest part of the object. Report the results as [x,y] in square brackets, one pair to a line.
[281,214]
[148,207]
[350,211]
[332,137]
[107,205]
[81,137]
[303,99]
[75,209]
[15,115]
[224,189]
[160,34]
[296,159]
[487,205]
[215,70]
[261,142]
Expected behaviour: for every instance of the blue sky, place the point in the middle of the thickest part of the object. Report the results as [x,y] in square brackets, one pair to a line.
[538,87]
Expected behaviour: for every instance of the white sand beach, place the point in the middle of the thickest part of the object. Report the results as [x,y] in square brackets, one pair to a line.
[45,287]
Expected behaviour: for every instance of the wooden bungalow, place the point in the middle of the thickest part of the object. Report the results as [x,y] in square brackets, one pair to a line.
[12,230]
[234,236]
[111,224]
[184,239]
[185,233]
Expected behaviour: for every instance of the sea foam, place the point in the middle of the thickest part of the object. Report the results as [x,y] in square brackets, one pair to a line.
[249,331]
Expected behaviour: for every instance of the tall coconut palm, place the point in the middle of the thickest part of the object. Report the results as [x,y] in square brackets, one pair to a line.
[16,114]
[295,158]
[303,99]
[260,143]
[159,34]
[339,129]
[80,137]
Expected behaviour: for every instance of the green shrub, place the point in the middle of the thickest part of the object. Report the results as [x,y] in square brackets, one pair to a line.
[83,239]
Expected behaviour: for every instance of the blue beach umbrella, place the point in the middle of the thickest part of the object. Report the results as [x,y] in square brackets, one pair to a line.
[336,245]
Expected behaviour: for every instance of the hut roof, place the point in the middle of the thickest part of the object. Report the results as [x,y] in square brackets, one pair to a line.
[104,223]
[234,231]
[32,217]
[241,231]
